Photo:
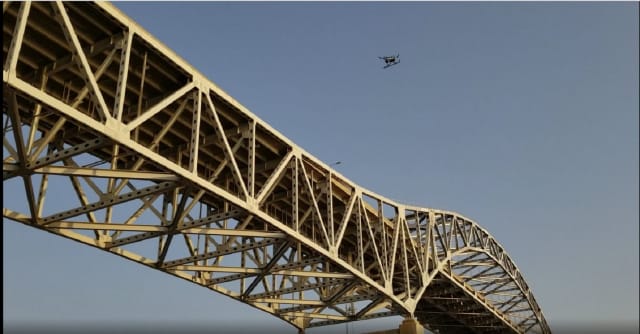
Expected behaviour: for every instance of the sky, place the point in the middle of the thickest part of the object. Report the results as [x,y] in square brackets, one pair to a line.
[521,116]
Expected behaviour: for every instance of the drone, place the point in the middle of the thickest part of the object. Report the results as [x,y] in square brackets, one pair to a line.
[390,60]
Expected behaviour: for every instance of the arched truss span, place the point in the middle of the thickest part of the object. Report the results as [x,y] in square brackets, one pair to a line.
[158,165]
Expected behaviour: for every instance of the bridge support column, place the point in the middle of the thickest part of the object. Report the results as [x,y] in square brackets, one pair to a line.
[408,326]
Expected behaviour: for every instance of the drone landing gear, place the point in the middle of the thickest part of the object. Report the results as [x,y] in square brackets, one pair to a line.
[391,64]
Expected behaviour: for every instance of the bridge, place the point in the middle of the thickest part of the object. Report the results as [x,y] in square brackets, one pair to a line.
[160,166]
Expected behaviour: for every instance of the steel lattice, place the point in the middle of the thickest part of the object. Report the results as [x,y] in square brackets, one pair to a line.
[169,171]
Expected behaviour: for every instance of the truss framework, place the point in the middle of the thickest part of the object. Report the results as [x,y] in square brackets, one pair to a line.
[165,169]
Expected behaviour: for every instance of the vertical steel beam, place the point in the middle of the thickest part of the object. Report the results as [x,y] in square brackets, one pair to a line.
[123,75]
[36,113]
[72,38]
[295,196]
[226,148]
[195,133]
[140,96]
[16,124]
[251,159]
[359,233]
[11,62]
[329,190]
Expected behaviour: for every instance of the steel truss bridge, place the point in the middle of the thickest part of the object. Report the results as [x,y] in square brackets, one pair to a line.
[160,166]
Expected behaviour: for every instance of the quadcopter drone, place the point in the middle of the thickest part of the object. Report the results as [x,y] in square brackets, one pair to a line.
[390,60]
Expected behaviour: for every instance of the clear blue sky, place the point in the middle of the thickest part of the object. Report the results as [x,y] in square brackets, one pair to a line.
[520,116]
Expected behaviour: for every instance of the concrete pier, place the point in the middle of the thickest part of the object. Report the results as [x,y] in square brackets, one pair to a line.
[408,326]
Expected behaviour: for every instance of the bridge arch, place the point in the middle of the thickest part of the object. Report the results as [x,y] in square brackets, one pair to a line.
[166,169]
